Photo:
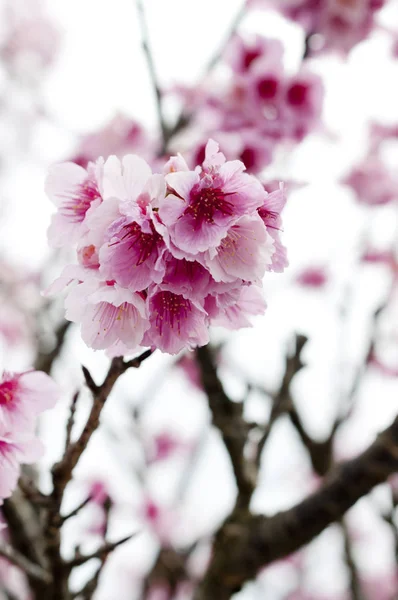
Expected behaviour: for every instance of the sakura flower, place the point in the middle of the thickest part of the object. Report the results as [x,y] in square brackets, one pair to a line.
[203,204]
[164,445]
[15,449]
[270,213]
[187,277]
[244,252]
[108,314]
[74,191]
[175,322]
[234,314]
[372,182]
[23,397]
[243,53]
[312,277]
[133,251]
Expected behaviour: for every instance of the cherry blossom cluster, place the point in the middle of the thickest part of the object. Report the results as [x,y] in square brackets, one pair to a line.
[160,257]
[339,24]
[23,397]
[254,104]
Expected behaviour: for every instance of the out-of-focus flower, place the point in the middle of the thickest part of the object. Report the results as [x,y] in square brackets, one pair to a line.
[372,182]
[30,38]
[312,277]
[340,24]
[165,445]
[23,396]
[15,449]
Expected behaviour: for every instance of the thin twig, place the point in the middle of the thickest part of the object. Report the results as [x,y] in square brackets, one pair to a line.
[102,552]
[76,511]
[71,420]
[152,73]
[355,586]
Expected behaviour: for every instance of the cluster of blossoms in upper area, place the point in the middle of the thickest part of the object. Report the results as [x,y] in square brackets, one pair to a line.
[160,257]
[23,397]
[339,24]
[253,104]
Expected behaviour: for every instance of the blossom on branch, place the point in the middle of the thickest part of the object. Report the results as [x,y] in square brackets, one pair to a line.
[164,256]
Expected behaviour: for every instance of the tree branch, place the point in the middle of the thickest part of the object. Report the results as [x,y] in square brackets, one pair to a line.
[29,568]
[247,543]
[227,418]
[62,472]
[152,73]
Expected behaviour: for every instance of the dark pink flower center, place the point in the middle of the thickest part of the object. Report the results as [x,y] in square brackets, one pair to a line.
[248,157]
[170,310]
[205,202]
[7,391]
[143,243]
[78,203]
[297,94]
[268,216]
[267,88]
[249,55]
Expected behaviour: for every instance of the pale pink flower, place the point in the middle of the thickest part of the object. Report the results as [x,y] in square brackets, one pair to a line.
[15,449]
[312,277]
[121,135]
[74,191]
[133,251]
[244,253]
[242,53]
[165,445]
[108,314]
[235,314]
[341,24]
[205,203]
[302,103]
[270,212]
[187,277]
[175,322]
[372,182]
[23,396]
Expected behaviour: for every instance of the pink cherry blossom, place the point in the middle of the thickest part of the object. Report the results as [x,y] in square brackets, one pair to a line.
[372,182]
[109,314]
[15,449]
[235,313]
[270,212]
[244,253]
[312,277]
[23,396]
[74,191]
[341,23]
[203,204]
[160,257]
[175,322]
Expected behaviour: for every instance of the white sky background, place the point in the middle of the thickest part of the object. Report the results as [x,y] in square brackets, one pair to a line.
[100,70]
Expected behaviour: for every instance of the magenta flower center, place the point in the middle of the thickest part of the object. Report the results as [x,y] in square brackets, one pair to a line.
[248,157]
[7,390]
[249,56]
[170,310]
[77,204]
[297,94]
[267,88]
[205,203]
[143,243]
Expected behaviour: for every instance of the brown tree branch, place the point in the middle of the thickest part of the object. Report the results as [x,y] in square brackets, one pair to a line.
[228,419]
[45,359]
[62,473]
[247,543]
[33,571]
